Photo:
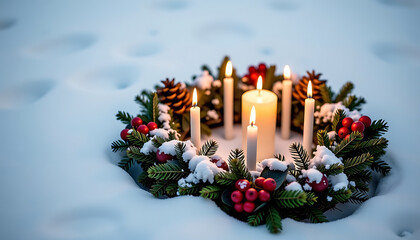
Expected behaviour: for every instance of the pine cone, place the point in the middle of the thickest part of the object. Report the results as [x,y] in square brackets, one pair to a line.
[176,97]
[300,92]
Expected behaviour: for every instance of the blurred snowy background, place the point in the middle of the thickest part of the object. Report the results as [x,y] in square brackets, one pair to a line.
[66,67]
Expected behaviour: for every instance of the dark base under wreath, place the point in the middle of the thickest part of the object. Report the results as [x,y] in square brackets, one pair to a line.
[348,150]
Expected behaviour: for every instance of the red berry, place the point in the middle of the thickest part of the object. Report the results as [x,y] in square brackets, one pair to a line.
[251,194]
[124,134]
[347,137]
[259,182]
[249,207]
[262,67]
[220,163]
[143,129]
[343,132]
[269,184]
[242,185]
[136,122]
[152,126]
[347,122]
[252,69]
[318,187]
[264,196]
[358,126]
[366,121]
[236,196]
[162,157]
[254,77]
[239,207]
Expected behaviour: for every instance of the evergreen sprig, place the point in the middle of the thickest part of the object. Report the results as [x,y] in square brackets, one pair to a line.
[126,163]
[209,148]
[157,141]
[339,115]
[134,153]
[344,91]
[273,220]
[323,138]
[376,129]
[280,157]
[289,199]
[354,103]
[166,171]
[159,188]
[348,144]
[381,167]
[326,93]
[358,197]
[299,155]
[119,146]
[211,192]
[238,167]
[340,196]
[357,164]
[226,178]
[334,169]
[257,218]
[316,215]
[179,150]
[137,138]
[172,189]
[236,154]
[194,190]
[124,117]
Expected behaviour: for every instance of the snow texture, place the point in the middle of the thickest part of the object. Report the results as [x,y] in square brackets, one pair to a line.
[338,181]
[202,169]
[274,164]
[204,81]
[324,157]
[67,67]
[213,114]
[293,186]
[326,112]
[313,175]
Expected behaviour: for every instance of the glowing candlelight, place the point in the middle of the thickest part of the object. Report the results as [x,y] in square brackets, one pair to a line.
[308,124]
[286,102]
[195,121]
[251,142]
[228,94]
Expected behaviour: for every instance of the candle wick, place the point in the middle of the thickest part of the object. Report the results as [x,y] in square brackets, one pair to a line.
[259,92]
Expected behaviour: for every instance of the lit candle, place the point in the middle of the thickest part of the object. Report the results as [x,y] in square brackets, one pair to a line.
[308,124]
[265,103]
[286,103]
[228,101]
[195,122]
[251,142]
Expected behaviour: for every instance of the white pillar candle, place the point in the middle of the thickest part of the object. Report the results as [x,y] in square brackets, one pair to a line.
[286,103]
[265,103]
[195,122]
[228,101]
[251,142]
[308,125]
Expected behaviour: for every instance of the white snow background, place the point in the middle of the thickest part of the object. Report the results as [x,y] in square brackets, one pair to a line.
[66,68]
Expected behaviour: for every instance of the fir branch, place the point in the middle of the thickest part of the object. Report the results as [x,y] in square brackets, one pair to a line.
[344,91]
[124,117]
[134,152]
[279,157]
[381,167]
[311,198]
[257,218]
[340,196]
[354,103]
[236,154]
[326,93]
[316,216]
[239,168]
[375,147]
[126,163]
[334,169]
[273,220]
[358,197]
[211,192]
[357,164]
[179,150]
[347,145]
[143,178]
[339,115]
[157,141]
[166,171]
[194,190]
[376,129]
[226,178]
[209,148]
[119,146]
[159,188]
[172,189]
[299,155]
[289,199]
[145,100]
[323,138]
[137,138]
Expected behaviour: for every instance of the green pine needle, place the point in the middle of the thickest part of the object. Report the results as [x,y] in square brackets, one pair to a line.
[157,141]
[316,216]
[323,138]
[381,167]
[226,178]
[257,218]
[166,171]
[209,148]
[236,154]
[289,199]
[126,163]
[179,150]
[119,146]
[239,168]
[137,138]
[334,169]
[339,115]
[340,196]
[159,188]
[194,190]
[347,145]
[299,155]
[376,129]
[171,189]
[358,197]
[326,93]
[357,164]
[124,117]
[354,103]
[344,91]
[273,220]
[211,192]
[280,157]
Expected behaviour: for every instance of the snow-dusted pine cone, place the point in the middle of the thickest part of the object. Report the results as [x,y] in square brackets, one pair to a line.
[176,96]
[300,92]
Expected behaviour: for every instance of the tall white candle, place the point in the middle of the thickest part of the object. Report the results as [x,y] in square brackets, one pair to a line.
[251,142]
[195,122]
[265,103]
[308,125]
[286,103]
[228,101]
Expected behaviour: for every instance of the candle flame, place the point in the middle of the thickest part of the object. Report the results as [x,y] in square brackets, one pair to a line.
[228,72]
[309,89]
[259,83]
[286,72]
[252,116]
[194,99]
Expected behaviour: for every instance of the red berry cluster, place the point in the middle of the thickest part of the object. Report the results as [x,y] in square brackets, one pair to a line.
[243,187]
[137,123]
[255,72]
[349,126]
[318,187]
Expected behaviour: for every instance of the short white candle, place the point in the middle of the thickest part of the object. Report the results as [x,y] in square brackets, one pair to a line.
[228,101]
[265,103]
[195,122]
[308,124]
[251,142]
[286,103]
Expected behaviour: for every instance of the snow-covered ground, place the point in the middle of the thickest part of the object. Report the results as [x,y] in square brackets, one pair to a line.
[66,67]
